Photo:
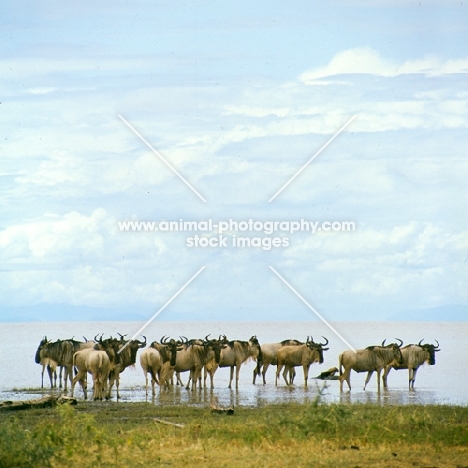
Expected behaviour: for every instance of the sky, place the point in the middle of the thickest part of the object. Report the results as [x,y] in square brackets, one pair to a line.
[236,98]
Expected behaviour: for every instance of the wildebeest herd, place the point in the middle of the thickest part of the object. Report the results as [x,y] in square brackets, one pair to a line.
[106,359]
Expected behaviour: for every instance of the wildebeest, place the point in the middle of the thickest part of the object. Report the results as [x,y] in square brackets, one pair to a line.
[201,353]
[371,359]
[127,353]
[61,353]
[156,359]
[46,363]
[233,355]
[151,362]
[413,357]
[269,351]
[92,360]
[303,355]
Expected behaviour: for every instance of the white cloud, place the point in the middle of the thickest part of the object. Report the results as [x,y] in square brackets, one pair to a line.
[366,60]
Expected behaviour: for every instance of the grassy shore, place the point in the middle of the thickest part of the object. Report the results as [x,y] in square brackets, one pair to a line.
[283,435]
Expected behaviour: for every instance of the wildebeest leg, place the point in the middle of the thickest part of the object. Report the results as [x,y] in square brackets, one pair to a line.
[346,375]
[212,373]
[42,376]
[231,377]
[369,375]
[117,384]
[285,375]
[60,377]
[306,374]
[146,382]
[279,367]
[53,372]
[264,371]
[385,375]
[237,374]
[413,378]
[378,379]
[68,376]
[82,378]
[256,372]
[292,374]
[179,380]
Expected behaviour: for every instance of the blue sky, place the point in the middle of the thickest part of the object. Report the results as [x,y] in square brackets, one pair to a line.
[237,99]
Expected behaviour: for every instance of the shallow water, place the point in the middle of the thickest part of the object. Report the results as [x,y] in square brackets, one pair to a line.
[444,383]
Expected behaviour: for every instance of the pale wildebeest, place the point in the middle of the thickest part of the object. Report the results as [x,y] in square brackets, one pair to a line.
[234,355]
[128,353]
[151,362]
[370,360]
[414,356]
[193,356]
[92,360]
[303,355]
[60,353]
[269,351]
[153,358]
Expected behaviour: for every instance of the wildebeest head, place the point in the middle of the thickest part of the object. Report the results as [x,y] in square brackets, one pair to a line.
[43,342]
[256,349]
[134,346]
[215,346]
[398,357]
[111,347]
[319,347]
[431,350]
[170,349]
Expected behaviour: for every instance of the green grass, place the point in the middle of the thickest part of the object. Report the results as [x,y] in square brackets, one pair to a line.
[125,434]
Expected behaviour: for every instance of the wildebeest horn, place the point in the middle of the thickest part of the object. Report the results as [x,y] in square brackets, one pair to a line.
[324,344]
[144,338]
[96,338]
[121,336]
[419,344]
[163,339]
[401,342]
[383,342]
[86,339]
[437,344]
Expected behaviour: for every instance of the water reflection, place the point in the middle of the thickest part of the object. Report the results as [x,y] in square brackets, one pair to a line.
[260,395]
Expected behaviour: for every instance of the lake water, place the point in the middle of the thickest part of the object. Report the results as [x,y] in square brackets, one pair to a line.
[444,383]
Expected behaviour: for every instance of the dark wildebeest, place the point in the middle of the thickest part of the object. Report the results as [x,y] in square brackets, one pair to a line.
[269,351]
[127,352]
[413,357]
[303,355]
[370,360]
[46,362]
[61,353]
[234,355]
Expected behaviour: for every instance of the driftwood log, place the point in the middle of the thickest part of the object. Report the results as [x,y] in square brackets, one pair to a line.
[48,401]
